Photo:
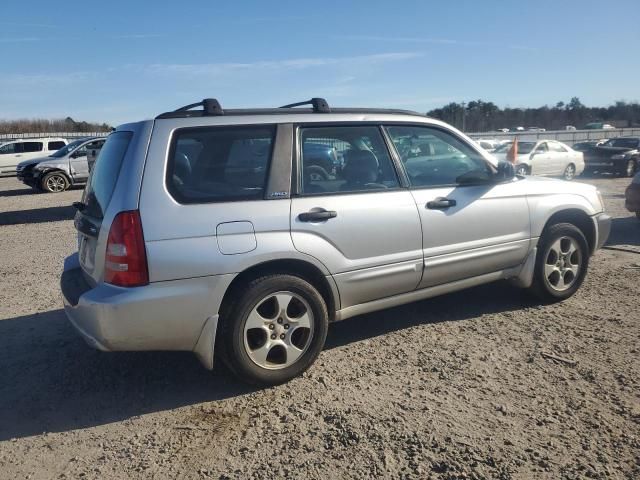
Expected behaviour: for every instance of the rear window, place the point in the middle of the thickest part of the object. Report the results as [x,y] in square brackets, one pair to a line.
[105,173]
[219,164]
[56,145]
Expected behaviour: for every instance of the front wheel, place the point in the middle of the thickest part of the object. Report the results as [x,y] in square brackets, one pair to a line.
[275,329]
[569,172]
[561,262]
[522,170]
[55,182]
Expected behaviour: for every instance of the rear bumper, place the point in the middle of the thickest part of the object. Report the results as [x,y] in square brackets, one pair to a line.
[159,316]
[603,229]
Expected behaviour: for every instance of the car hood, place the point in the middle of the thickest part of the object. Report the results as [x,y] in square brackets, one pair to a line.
[543,186]
[33,161]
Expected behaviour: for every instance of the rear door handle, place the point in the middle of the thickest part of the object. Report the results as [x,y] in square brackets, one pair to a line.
[441,203]
[317,216]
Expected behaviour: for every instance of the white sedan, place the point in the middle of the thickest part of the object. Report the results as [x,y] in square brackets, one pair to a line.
[544,157]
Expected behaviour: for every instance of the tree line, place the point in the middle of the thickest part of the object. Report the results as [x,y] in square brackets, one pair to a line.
[43,125]
[481,116]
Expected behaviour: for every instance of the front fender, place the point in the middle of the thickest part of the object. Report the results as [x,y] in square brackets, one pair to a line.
[543,207]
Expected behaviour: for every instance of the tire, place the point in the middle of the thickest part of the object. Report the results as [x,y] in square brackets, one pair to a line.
[587,172]
[315,173]
[522,170]
[55,182]
[569,172]
[552,280]
[628,169]
[258,338]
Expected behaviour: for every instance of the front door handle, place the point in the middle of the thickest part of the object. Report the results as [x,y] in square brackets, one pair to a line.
[317,216]
[441,203]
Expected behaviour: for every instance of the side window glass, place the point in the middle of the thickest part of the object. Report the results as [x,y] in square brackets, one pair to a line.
[30,147]
[8,148]
[556,147]
[220,164]
[344,159]
[542,148]
[432,157]
[55,145]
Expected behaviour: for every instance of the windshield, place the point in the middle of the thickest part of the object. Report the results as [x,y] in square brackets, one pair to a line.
[622,143]
[66,149]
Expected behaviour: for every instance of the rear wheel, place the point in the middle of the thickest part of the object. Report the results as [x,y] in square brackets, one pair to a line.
[55,182]
[275,330]
[569,172]
[629,168]
[561,262]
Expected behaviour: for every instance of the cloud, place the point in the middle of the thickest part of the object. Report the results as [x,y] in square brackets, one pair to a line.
[215,69]
[430,40]
[20,40]
[134,36]
[47,79]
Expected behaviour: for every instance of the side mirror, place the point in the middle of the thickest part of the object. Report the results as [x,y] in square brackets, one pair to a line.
[506,171]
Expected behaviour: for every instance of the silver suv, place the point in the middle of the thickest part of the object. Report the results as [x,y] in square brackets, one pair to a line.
[208,227]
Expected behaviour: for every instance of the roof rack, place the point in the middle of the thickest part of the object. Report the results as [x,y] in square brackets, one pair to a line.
[211,107]
[319,105]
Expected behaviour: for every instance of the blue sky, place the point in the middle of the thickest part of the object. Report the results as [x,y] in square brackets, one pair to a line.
[124,61]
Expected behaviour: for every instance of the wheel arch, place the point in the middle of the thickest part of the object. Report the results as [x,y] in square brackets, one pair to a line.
[580,219]
[300,268]
[51,170]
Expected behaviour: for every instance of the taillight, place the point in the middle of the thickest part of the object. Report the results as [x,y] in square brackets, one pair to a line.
[126,259]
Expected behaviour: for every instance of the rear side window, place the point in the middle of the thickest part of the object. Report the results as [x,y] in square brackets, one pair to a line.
[220,164]
[32,147]
[56,145]
[556,147]
[105,173]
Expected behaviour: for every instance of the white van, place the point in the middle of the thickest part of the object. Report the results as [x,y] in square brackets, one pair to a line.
[16,151]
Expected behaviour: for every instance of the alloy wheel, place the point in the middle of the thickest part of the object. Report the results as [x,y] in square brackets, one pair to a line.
[56,183]
[569,172]
[278,330]
[562,264]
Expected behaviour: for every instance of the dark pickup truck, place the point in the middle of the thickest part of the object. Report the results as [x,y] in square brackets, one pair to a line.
[618,155]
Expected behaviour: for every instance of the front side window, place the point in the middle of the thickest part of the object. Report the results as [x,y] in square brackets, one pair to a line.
[8,148]
[220,164]
[344,159]
[30,147]
[432,157]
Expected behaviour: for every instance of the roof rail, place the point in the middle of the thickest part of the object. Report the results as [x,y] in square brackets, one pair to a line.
[210,107]
[319,105]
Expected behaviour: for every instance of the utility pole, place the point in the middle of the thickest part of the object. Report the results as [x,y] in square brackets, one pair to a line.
[464,114]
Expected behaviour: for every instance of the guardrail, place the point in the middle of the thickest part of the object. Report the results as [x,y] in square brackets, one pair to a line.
[566,136]
[6,137]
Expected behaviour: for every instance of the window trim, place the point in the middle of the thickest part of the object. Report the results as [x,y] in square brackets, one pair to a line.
[385,125]
[170,161]
[296,177]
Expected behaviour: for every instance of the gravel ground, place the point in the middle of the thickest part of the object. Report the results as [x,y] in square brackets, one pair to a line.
[452,387]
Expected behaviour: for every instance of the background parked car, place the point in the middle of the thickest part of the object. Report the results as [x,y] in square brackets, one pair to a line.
[587,145]
[617,155]
[632,196]
[488,144]
[57,172]
[14,152]
[598,126]
[545,157]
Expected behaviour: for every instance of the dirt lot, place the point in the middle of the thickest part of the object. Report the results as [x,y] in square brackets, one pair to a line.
[453,387]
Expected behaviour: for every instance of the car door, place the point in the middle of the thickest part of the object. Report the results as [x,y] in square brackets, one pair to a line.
[471,225]
[10,154]
[358,220]
[559,158]
[541,163]
[78,161]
